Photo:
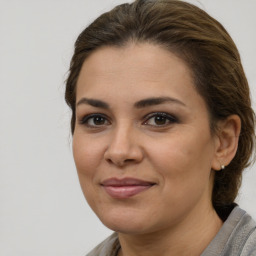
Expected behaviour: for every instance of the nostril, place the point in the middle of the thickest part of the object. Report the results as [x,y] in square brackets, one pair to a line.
[119,162]
[109,161]
[128,160]
[120,156]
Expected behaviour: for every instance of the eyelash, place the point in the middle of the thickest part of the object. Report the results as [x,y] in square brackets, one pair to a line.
[167,118]
[85,120]
[170,119]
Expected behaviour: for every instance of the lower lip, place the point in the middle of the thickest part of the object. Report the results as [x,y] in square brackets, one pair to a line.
[123,192]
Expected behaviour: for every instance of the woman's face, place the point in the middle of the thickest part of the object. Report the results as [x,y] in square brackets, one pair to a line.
[142,143]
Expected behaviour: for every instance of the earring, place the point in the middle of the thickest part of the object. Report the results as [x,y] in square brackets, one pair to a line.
[222,167]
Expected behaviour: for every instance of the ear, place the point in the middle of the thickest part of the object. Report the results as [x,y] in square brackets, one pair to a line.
[226,141]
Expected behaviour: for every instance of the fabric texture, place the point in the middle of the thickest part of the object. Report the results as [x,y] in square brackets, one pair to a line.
[237,237]
[108,247]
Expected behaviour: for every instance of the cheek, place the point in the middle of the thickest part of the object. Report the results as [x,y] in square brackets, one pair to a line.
[87,155]
[184,160]
[184,168]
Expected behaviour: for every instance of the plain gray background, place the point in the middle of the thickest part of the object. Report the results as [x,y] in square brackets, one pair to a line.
[42,210]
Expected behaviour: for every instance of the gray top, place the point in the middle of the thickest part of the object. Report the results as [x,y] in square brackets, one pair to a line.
[237,237]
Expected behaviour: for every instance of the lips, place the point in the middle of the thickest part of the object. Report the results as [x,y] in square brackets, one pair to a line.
[125,188]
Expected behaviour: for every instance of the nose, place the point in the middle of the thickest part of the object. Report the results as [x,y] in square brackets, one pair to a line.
[123,147]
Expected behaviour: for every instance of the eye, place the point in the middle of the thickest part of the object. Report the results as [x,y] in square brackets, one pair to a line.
[160,119]
[95,120]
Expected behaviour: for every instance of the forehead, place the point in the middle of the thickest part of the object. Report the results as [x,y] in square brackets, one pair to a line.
[123,76]
[133,65]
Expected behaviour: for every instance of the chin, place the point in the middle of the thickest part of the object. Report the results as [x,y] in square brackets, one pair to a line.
[125,221]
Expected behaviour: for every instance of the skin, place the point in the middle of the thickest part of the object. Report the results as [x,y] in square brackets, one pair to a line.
[178,153]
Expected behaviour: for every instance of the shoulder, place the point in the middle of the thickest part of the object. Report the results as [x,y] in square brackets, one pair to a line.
[249,247]
[237,237]
[243,237]
[109,247]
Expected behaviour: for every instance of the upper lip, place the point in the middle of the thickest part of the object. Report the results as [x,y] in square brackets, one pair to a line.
[126,182]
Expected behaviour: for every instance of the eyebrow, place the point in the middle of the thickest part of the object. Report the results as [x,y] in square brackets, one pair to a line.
[93,102]
[156,101]
[140,104]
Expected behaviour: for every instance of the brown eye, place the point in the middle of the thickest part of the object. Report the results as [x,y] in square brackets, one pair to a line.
[160,119]
[95,120]
[98,120]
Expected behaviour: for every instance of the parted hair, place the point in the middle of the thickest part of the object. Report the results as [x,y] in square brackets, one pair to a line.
[207,49]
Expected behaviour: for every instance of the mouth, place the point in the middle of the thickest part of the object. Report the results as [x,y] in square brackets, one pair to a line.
[125,188]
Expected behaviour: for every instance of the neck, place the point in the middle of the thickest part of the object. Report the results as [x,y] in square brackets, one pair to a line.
[188,238]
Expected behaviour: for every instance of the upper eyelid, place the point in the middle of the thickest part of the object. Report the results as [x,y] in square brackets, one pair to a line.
[83,115]
[144,118]
[152,114]
[85,118]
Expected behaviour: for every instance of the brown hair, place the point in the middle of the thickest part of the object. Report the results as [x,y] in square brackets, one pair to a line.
[204,45]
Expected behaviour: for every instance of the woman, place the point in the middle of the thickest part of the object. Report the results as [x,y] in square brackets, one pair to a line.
[162,129]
